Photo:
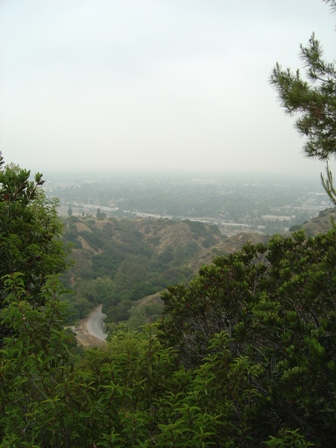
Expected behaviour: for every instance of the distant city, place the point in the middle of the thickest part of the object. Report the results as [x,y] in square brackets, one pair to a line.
[233,202]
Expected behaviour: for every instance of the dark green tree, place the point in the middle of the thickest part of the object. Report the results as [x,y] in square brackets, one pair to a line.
[30,231]
[35,368]
[312,99]
[104,290]
[258,329]
[100,214]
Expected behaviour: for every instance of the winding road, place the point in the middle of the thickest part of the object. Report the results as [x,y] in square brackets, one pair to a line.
[90,331]
[95,325]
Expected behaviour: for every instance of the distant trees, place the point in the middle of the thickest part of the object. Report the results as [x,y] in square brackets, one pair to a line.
[128,260]
[100,214]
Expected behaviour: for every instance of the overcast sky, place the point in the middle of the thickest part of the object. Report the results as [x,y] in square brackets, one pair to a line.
[153,84]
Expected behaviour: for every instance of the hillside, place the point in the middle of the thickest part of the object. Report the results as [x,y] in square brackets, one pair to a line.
[228,245]
[124,263]
[320,224]
[171,241]
[119,261]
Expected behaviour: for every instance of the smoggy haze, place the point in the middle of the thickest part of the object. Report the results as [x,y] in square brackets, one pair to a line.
[153,84]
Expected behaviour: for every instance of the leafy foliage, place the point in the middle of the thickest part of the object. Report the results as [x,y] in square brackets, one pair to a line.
[275,307]
[29,228]
[29,232]
[35,366]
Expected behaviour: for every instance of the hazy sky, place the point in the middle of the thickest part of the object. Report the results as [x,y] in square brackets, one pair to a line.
[153,84]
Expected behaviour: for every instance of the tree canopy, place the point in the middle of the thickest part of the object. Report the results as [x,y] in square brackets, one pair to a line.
[29,231]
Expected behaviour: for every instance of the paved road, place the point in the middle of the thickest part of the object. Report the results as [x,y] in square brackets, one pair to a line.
[95,325]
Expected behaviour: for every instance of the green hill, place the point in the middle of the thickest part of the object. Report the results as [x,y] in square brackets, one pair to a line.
[320,224]
[125,263]
[119,261]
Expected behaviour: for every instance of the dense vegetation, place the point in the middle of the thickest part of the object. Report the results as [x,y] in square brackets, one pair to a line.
[243,356]
[120,261]
[29,233]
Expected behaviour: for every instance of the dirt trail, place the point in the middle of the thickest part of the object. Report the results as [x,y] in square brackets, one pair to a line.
[82,334]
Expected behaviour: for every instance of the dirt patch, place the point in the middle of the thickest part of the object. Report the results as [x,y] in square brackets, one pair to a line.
[81,227]
[83,337]
[86,246]
[100,223]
